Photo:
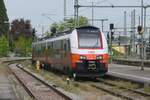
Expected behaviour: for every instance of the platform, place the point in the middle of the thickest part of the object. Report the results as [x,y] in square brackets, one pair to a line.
[6,90]
[131,61]
[130,72]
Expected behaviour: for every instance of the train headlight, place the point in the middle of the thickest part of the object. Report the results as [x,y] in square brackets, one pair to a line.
[82,57]
[99,57]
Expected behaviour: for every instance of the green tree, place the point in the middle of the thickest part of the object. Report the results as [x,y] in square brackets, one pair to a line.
[21,36]
[28,46]
[21,27]
[4,26]
[69,24]
[23,46]
[83,21]
[3,46]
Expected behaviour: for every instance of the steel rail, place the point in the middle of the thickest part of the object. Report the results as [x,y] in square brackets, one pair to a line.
[42,81]
[26,89]
[121,87]
[113,93]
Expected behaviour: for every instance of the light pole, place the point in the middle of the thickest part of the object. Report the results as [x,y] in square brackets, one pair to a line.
[142,37]
[76,12]
[142,50]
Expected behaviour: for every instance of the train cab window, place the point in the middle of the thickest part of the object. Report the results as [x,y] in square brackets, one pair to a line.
[89,38]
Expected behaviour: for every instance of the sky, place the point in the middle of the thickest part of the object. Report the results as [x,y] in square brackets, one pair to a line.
[42,13]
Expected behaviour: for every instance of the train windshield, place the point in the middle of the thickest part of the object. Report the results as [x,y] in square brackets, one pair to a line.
[89,38]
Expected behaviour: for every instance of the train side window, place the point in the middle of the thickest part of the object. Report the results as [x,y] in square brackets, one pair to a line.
[54,45]
[40,47]
[61,44]
[51,44]
[43,48]
[48,45]
[68,42]
[65,47]
[35,49]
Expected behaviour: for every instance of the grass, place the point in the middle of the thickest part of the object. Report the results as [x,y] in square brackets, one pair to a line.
[57,80]
[147,89]
[125,84]
[73,86]
[116,53]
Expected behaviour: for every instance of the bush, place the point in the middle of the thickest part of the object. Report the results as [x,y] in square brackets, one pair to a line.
[116,53]
[23,46]
[3,46]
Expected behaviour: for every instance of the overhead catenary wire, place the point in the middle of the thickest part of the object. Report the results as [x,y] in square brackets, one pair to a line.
[85,9]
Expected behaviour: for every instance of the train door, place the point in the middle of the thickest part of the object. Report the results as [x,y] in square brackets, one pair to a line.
[66,54]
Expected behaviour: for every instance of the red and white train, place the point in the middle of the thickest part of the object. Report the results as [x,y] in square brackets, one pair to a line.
[82,52]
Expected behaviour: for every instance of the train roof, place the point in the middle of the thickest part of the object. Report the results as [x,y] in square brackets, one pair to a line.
[55,38]
[62,34]
[81,27]
[87,27]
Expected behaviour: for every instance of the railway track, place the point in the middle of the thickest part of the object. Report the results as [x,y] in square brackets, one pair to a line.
[104,85]
[120,91]
[134,62]
[35,87]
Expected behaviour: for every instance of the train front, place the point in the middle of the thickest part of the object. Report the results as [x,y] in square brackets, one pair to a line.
[89,52]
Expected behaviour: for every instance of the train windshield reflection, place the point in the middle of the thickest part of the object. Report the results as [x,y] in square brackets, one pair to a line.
[89,39]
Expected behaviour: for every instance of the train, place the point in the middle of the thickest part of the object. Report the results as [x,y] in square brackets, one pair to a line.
[80,52]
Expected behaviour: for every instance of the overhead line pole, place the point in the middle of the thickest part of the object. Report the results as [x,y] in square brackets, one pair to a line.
[65,10]
[133,22]
[76,13]
[125,23]
[125,31]
[92,14]
[142,47]
[77,6]
[102,22]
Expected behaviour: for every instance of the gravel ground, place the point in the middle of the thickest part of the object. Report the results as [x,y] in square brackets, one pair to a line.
[6,89]
[10,88]
[18,89]
[77,90]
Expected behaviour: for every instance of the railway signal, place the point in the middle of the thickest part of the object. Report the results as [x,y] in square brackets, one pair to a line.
[111,26]
[111,31]
[112,35]
[140,30]
[111,38]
